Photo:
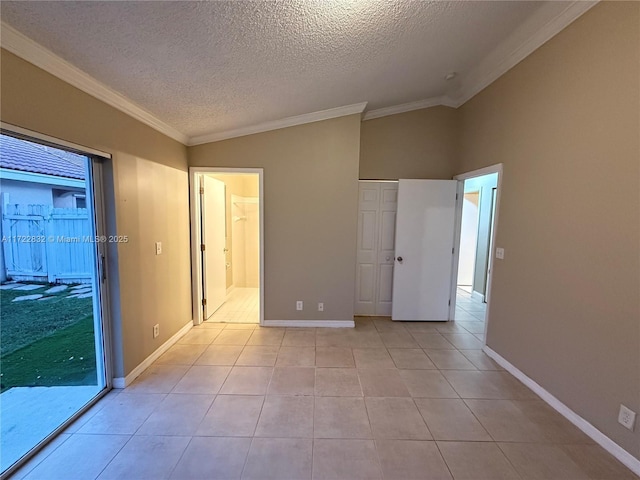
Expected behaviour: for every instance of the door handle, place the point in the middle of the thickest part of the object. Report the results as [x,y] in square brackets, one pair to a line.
[399,259]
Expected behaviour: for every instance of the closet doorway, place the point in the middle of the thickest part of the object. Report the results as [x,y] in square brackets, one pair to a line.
[228,245]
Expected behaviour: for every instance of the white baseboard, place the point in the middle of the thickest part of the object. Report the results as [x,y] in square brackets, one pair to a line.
[477,295]
[310,323]
[122,382]
[596,435]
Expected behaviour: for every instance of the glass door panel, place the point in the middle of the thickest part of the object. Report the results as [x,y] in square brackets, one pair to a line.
[52,359]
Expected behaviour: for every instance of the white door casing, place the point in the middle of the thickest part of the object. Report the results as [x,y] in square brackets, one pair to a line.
[424,250]
[375,247]
[212,195]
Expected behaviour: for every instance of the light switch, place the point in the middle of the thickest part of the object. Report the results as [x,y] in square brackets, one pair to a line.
[500,253]
[158,248]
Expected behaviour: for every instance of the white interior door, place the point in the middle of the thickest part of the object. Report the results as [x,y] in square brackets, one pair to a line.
[424,249]
[376,243]
[212,196]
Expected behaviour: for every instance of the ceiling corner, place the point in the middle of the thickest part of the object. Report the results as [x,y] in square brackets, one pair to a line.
[34,53]
[549,20]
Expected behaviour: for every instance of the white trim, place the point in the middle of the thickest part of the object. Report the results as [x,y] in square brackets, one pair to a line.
[194,207]
[477,295]
[408,107]
[25,134]
[497,168]
[544,24]
[22,46]
[120,382]
[455,261]
[549,20]
[592,432]
[311,323]
[32,177]
[277,124]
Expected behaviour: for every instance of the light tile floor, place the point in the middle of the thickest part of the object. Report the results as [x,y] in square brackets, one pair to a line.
[241,306]
[384,400]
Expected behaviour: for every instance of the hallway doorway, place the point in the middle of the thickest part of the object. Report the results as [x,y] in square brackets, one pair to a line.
[227,227]
[477,213]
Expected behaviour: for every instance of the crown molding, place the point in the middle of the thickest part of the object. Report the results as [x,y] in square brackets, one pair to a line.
[408,107]
[25,48]
[356,108]
[544,24]
[549,20]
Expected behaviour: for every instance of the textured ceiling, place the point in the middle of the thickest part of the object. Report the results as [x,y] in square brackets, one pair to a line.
[206,67]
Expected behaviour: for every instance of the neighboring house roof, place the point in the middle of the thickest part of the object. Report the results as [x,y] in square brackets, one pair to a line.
[26,156]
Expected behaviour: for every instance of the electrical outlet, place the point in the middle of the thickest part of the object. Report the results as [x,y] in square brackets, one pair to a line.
[626,417]
[158,248]
[299,305]
[500,253]
[156,330]
[321,307]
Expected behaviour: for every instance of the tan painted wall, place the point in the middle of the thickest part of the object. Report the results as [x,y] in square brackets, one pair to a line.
[149,187]
[565,300]
[310,202]
[417,144]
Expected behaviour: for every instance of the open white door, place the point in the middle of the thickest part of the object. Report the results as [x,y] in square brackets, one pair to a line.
[424,250]
[212,198]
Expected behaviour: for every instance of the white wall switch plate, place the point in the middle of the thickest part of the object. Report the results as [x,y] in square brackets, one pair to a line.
[321,307]
[626,417]
[158,248]
[500,253]
[156,330]
[299,305]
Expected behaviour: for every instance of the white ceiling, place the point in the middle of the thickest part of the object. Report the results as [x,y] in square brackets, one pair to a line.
[212,67]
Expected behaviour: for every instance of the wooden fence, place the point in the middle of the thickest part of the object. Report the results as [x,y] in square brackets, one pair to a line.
[43,243]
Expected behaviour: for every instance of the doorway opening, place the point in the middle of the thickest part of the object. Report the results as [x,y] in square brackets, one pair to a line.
[478,192]
[228,245]
[54,360]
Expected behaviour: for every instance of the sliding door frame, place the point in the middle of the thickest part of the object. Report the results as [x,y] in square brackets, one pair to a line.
[95,194]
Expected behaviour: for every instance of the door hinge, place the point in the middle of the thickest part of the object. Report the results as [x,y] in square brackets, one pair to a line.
[453,250]
[201,190]
[204,302]
[449,302]
[456,196]
[202,247]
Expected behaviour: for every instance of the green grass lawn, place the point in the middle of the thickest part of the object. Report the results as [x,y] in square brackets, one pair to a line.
[46,343]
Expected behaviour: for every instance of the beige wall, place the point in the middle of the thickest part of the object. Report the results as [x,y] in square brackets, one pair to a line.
[417,144]
[565,300]
[148,184]
[310,202]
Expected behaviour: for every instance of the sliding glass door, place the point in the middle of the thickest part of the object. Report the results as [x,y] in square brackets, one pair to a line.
[53,361]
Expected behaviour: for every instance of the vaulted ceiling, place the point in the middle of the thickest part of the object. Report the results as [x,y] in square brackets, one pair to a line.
[206,68]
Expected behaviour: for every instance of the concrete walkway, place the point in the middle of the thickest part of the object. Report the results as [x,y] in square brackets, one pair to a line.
[29,414]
